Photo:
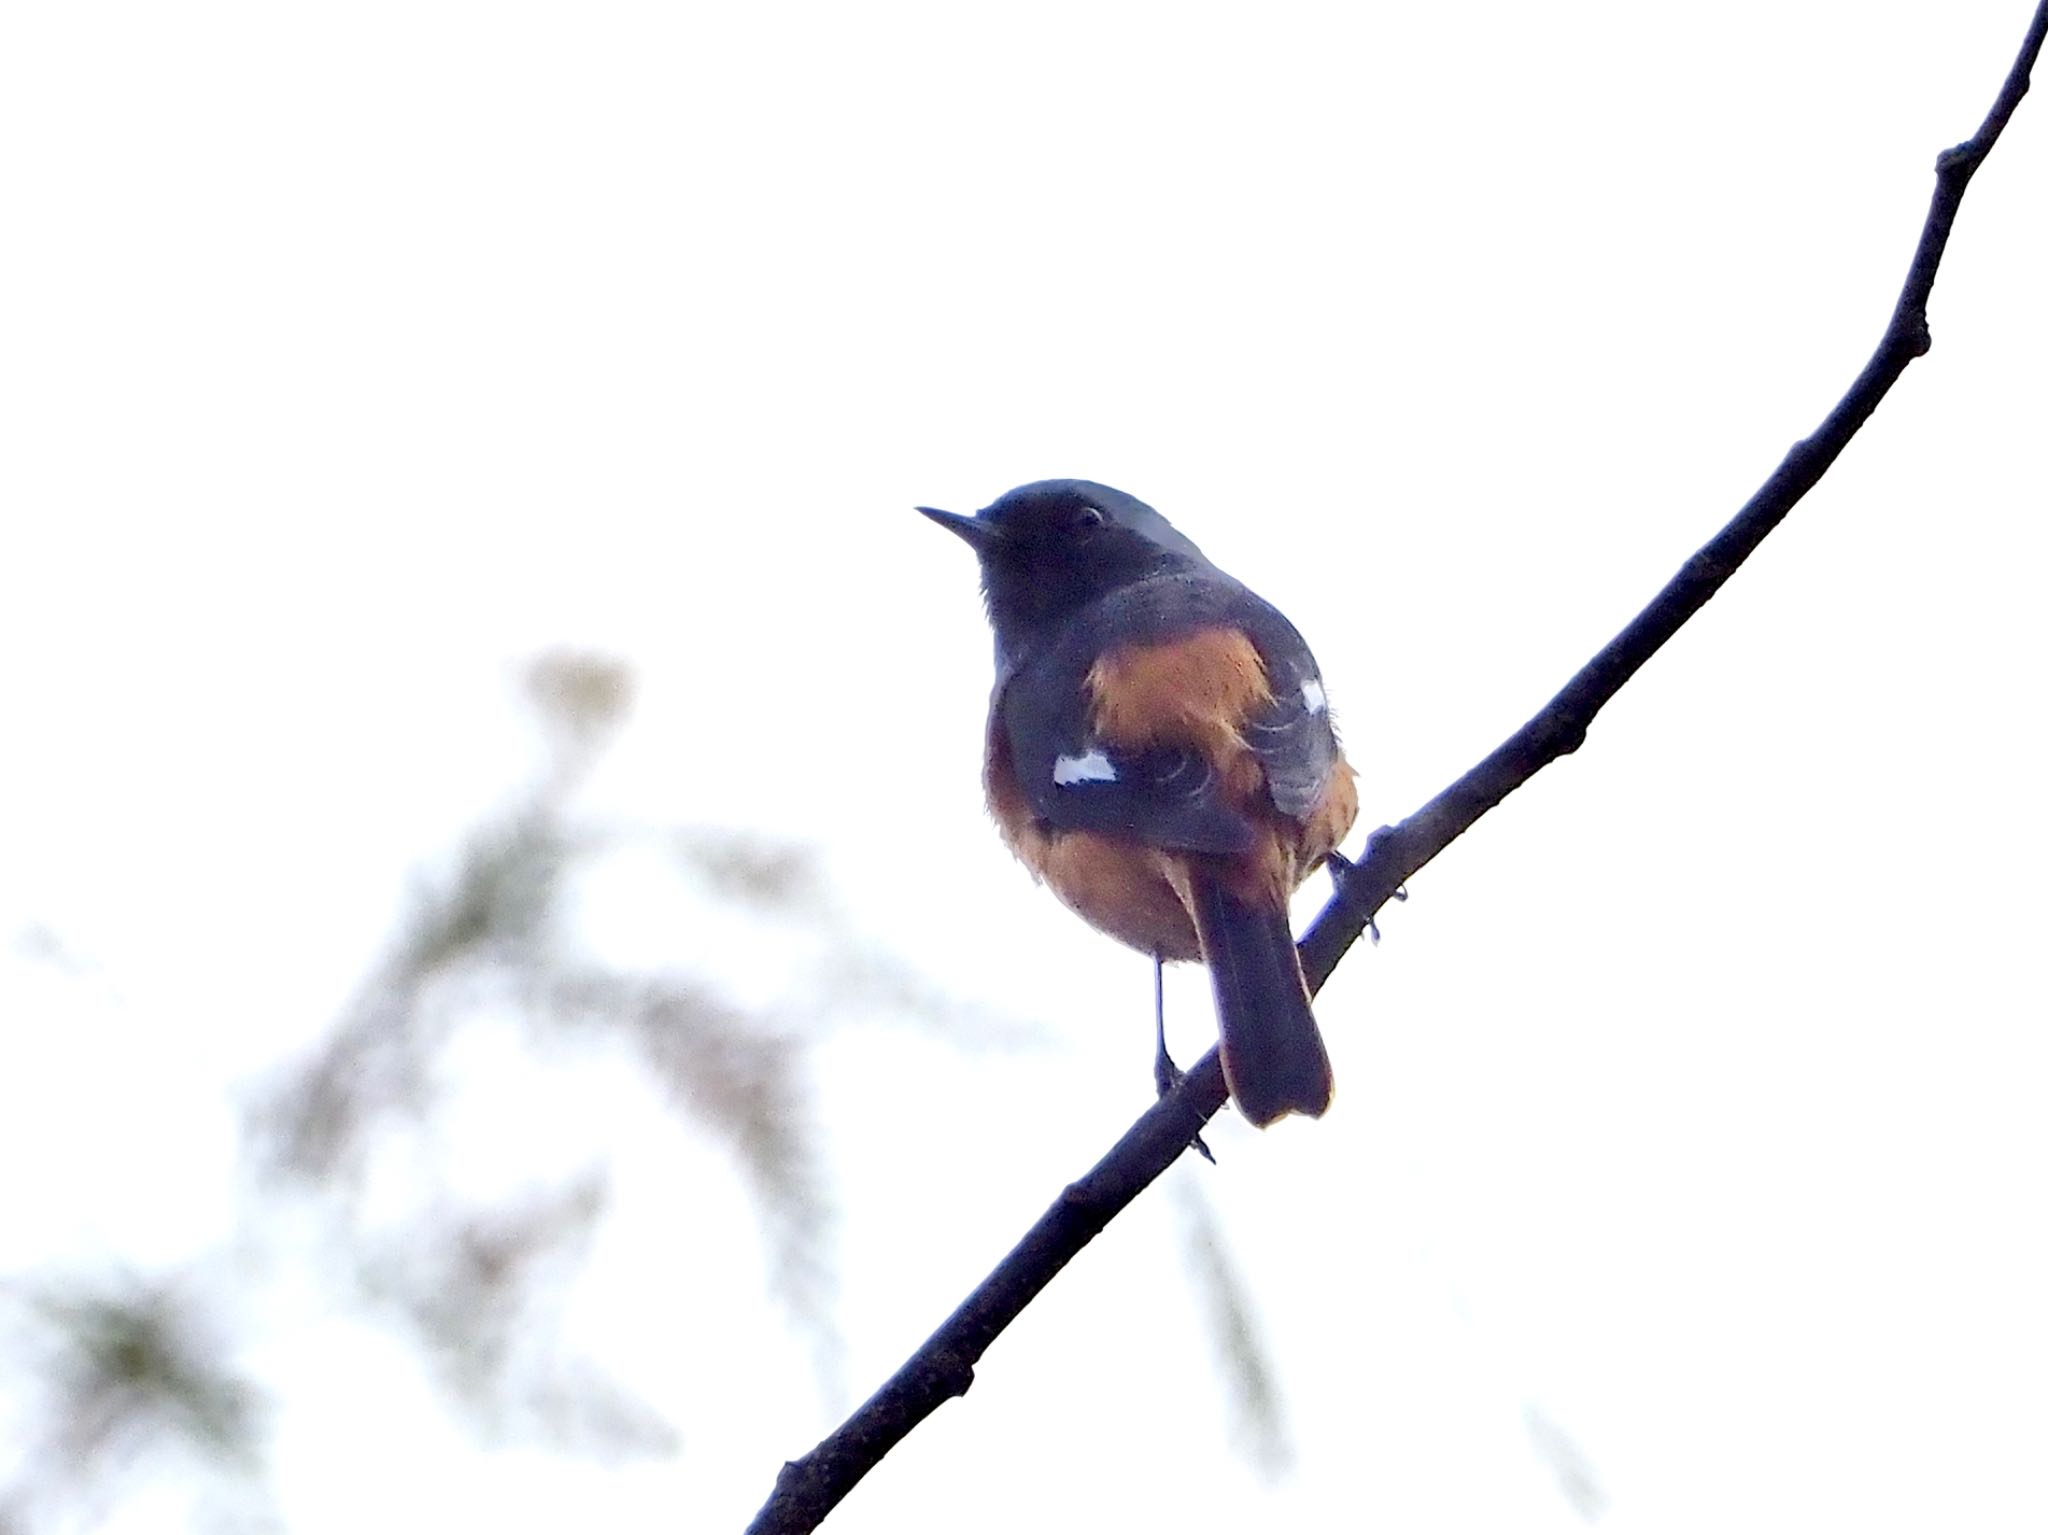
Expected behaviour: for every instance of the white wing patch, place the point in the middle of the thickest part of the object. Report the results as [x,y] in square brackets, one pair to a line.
[1312,696]
[1089,767]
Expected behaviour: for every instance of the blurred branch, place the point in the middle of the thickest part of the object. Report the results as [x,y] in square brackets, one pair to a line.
[808,1489]
[1567,1462]
[1261,1426]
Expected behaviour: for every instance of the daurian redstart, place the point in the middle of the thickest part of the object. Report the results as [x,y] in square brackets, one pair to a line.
[1160,754]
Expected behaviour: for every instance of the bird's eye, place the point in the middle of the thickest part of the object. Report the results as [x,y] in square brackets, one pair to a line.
[1089,517]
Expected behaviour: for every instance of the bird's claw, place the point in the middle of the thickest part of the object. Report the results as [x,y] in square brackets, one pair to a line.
[1342,870]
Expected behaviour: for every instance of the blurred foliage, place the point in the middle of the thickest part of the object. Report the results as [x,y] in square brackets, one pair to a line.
[127,1375]
[479,1303]
[122,1371]
[349,1171]
[469,1285]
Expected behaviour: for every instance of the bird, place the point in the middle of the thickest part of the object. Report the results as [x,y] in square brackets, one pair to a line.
[1160,754]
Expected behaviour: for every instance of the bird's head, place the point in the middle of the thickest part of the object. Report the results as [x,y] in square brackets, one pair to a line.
[1050,548]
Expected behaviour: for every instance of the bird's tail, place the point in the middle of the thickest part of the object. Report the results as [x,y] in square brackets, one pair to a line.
[1273,1055]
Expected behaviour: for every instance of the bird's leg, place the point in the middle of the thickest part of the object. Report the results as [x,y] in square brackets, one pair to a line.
[1165,1074]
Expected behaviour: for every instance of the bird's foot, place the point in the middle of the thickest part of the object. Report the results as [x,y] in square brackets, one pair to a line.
[1342,872]
[1166,1077]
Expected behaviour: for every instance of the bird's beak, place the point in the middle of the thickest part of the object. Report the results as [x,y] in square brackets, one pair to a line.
[982,535]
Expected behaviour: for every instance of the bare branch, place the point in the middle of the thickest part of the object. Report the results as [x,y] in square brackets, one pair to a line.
[1396,852]
[810,1488]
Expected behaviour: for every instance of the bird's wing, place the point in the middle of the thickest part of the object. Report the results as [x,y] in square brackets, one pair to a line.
[1292,736]
[1164,796]
[1168,796]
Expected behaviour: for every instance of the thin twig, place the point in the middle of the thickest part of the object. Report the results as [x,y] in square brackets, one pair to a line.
[810,1488]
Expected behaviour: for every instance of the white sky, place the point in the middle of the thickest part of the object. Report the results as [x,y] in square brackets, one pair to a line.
[350,355]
